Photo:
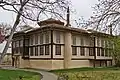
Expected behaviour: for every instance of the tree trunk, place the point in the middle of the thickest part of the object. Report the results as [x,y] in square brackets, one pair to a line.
[11,35]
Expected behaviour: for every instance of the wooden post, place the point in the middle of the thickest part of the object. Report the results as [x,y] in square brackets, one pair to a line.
[94,52]
[68,50]
[51,44]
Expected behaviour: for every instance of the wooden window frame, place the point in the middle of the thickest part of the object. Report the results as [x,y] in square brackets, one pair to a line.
[74,50]
[47,37]
[31,51]
[82,51]
[41,38]
[36,38]
[47,50]
[57,49]
[91,41]
[31,40]
[98,51]
[91,51]
[58,37]
[41,50]
[82,41]
[36,51]
[74,40]
[102,52]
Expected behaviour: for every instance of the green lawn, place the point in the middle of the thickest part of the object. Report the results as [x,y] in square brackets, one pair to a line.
[18,74]
[89,73]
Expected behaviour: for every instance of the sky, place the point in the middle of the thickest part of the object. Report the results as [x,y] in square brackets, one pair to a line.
[81,7]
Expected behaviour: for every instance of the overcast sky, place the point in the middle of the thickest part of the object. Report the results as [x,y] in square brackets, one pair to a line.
[82,7]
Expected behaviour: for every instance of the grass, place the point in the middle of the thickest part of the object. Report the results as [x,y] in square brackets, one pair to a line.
[18,75]
[109,73]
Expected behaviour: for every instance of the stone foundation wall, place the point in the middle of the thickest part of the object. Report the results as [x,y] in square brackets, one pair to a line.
[79,63]
[59,64]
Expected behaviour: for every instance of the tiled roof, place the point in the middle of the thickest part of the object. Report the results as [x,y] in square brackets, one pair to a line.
[57,24]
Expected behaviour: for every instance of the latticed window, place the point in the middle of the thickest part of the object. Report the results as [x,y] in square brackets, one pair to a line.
[36,38]
[47,50]
[57,37]
[26,49]
[102,52]
[21,43]
[103,43]
[41,38]
[17,43]
[36,51]
[26,42]
[31,39]
[98,51]
[91,51]
[74,50]
[82,41]
[58,49]
[98,41]
[31,51]
[21,50]
[47,37]
[91,41]
[41,50]
[17,47]
[74,40]
[82,51]
[21,46]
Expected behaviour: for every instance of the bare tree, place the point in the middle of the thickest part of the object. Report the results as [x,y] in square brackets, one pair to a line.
[5,28]
[31,10]
[107,16]
[106,13]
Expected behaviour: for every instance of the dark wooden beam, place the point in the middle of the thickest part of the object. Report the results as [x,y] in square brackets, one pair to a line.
[51,44]
[23,46]
[12,55]
[94,51]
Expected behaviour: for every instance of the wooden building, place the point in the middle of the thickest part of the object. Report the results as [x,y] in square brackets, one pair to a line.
[55,46]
